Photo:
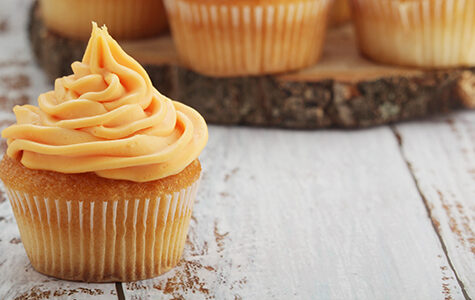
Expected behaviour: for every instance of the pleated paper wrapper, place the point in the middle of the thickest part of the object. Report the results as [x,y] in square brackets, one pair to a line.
[421,33]
[103,241]
[229,38]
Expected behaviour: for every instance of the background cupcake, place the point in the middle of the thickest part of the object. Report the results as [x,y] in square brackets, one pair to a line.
[421,33]
[245,37]
[125,19]
[340,12]
[102,175]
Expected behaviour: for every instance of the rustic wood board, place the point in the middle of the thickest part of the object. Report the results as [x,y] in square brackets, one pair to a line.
[343,90]
[317,215]
[385,213]
[441,156]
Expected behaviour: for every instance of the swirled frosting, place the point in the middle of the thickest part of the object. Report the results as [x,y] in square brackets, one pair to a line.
[106,118]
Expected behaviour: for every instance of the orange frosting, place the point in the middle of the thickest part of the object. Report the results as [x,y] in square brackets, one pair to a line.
[107,118]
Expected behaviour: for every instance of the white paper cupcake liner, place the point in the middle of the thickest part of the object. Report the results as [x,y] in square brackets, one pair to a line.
[100,240]
[233,38]
[424,33]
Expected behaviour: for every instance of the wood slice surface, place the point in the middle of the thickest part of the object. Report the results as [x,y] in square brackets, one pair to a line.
[342,90]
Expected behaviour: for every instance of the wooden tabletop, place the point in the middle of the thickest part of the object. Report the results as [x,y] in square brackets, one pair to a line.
[382,213]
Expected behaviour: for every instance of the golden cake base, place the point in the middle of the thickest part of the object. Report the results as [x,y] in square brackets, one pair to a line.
[83,227]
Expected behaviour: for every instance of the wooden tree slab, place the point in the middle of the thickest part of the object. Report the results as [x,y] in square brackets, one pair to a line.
[343,90]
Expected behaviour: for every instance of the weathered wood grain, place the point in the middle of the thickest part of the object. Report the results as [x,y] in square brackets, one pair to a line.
[281,214]
[306,215]
[342,90]
[20,83]
[441,154]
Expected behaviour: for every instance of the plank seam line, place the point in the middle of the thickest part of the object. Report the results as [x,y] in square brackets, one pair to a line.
[426,205]
[120,291]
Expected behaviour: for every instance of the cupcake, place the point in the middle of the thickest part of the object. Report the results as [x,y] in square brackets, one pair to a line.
[340,13]
[247,37]
[419,33]
[102,175]
[125,19]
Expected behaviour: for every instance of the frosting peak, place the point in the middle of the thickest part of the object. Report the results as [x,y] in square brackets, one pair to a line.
[107,118]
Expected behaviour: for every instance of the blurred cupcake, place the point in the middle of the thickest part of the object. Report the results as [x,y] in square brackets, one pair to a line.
[102,175]
[125,19]
[246,37]
[340,12]
[420,33]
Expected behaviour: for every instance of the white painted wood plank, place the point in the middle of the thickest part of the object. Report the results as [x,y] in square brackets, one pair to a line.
[341,219]
[21,82]
[306,215]
[441,154]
